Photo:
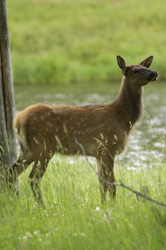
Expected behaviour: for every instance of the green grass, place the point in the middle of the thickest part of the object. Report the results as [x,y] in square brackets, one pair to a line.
[73,217]
[59,42]
[55,42]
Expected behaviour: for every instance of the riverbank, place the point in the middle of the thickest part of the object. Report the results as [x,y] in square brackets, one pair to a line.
[62,42]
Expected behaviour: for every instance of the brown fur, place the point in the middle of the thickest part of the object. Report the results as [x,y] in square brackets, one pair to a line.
[103,130]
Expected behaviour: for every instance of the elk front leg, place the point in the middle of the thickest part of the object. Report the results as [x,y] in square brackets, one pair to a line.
[105,165]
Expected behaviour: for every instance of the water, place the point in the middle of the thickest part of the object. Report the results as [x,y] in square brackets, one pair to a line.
[147,147]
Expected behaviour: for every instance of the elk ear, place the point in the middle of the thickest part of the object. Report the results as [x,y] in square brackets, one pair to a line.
[122,64]
[147,62]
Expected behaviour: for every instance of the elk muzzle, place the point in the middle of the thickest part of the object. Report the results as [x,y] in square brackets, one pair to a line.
[153,76]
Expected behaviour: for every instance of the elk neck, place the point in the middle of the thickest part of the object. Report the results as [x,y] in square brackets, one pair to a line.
[129,102]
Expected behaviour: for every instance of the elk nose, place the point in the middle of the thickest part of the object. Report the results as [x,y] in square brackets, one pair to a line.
[156,73]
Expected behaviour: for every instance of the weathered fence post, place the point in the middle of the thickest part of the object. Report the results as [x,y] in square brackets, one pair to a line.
[7,105]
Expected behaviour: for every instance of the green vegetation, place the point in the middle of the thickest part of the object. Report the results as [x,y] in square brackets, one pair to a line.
[73,217]
[77,40]
[62,42]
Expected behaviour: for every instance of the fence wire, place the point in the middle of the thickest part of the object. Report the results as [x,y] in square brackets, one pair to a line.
[118,184]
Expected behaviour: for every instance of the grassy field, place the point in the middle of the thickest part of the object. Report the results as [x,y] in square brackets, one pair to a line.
[69,41]
[73,217]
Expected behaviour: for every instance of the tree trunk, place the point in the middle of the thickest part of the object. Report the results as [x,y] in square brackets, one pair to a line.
[7,106]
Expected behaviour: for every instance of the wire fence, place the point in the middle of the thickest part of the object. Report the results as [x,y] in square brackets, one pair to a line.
[118,184]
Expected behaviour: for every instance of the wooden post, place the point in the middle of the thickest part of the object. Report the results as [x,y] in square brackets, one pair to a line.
[7,106]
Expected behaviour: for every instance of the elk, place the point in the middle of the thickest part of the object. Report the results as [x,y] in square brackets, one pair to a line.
[102,130]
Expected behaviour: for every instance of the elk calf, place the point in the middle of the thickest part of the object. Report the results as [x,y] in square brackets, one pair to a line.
[102,130]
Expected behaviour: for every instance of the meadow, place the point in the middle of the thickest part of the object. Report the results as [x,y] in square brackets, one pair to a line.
[73,45]
[62,42]
[73,217]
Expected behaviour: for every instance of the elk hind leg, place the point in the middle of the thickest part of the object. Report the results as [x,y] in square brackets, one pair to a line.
[23,161]
[35,177]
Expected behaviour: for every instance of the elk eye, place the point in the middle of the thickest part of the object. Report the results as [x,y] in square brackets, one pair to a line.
[135,71]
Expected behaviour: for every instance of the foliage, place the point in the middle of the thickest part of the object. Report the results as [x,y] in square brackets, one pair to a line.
[70,40]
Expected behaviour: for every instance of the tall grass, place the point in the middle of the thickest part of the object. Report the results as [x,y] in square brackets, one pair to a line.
[69,41]
[73,217]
